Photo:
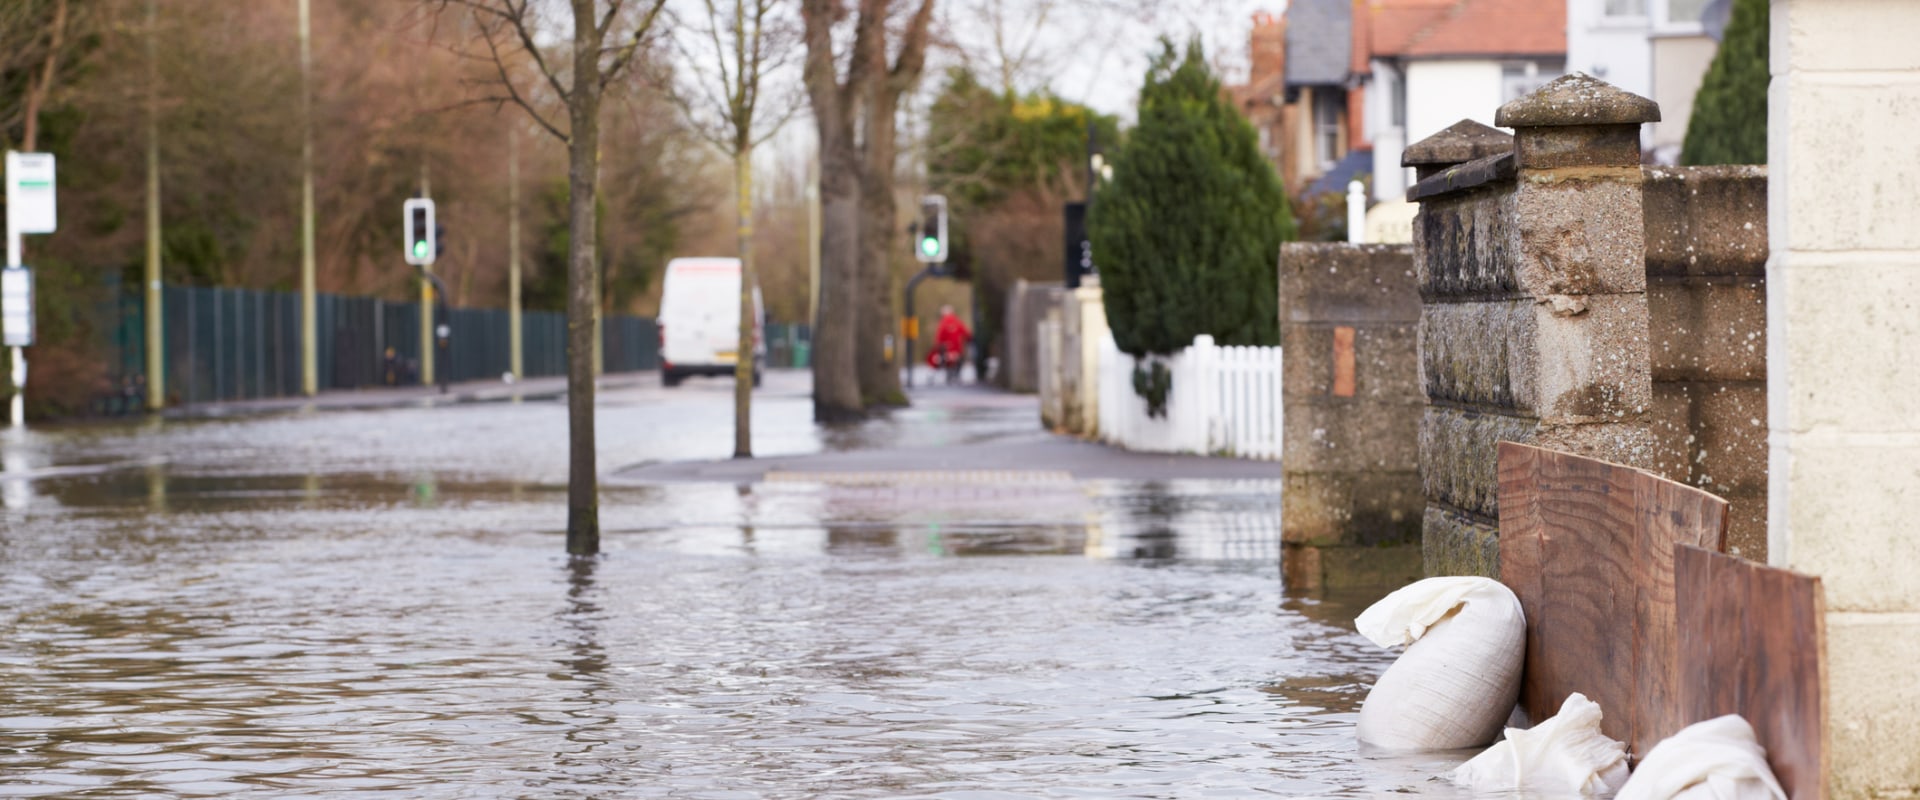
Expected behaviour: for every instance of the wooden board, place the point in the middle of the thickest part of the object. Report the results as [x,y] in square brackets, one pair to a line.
[1752,641]
[1587,545]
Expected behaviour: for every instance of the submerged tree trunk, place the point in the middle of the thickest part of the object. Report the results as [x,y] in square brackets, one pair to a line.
[743,365]
[583,285]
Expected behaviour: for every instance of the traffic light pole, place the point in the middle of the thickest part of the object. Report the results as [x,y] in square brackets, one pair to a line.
[912,332]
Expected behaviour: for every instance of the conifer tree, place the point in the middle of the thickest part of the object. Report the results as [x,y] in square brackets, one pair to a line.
[1729,122]
[1186,236]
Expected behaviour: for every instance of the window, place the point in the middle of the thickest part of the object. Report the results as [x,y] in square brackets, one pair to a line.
[1685,11]
[1520,79]
[1623,8]
[1329,107]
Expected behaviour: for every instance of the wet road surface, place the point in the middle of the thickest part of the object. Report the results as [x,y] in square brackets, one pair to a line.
[375,603]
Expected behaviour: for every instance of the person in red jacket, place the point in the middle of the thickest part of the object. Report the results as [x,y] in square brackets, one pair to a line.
[949,344]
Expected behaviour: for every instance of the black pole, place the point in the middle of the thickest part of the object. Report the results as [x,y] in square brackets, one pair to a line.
[907,307]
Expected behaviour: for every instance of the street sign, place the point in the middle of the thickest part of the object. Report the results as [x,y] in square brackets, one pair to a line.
[930,246]
[16,307]
[30,206]
[420,231]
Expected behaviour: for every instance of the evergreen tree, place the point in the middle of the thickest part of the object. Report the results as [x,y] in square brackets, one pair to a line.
[1729,123]
[1187,234]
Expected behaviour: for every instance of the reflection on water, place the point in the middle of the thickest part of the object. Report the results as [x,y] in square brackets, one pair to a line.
[231,623]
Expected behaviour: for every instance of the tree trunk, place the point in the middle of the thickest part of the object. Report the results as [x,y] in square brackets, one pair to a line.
[743,363]
[883,87]
[583,285]
[836,379]
[879,371]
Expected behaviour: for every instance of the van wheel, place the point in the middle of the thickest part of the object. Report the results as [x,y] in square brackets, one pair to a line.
[671,378]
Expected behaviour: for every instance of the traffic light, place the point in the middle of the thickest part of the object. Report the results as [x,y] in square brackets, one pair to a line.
[422,243]
[930,246]
[439,240]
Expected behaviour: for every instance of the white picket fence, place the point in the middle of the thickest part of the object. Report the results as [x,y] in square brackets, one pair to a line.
[1224,400]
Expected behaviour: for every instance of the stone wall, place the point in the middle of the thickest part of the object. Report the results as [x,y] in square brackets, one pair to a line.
[1027,304]
[1534,321]
[1352,503]
[1576,300]
[1706,233]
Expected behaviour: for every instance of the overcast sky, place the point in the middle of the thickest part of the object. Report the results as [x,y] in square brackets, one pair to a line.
[1095,51]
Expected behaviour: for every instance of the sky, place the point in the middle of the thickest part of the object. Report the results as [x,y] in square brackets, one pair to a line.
[1095,55]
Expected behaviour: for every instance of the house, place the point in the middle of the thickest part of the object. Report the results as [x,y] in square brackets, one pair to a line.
[1338,88]
[1432,63]
[1659,49]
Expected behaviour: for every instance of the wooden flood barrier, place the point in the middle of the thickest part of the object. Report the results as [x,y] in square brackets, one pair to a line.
[1753,642]
[1630,601]
[1587,545]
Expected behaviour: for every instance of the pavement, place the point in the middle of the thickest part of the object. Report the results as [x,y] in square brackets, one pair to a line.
[966,434]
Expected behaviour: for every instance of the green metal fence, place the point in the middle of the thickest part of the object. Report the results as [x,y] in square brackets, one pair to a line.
[236,344]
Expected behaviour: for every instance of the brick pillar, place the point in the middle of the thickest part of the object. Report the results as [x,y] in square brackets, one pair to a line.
[1533,326]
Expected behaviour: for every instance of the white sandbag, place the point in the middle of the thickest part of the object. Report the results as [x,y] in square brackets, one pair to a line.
[1460,675]
[1566,754]
[1714,760]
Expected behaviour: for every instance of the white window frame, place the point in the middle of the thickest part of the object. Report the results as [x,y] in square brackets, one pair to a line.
[1661,11]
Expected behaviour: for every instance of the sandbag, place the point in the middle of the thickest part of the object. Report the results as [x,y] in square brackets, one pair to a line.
[1714,760]
[1460,675]
[1566,754]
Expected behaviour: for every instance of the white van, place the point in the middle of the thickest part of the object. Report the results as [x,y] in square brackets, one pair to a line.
[700,320]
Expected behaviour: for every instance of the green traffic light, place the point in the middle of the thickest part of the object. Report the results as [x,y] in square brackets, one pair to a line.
[930,246]
[420,249]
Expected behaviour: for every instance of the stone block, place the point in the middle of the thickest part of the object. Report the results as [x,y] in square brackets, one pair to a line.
[1852,339]
[1343,437]
[1579,236]
[1453,543]
[1568,360]
[1851,511]
[1628,443]
[1708,329]
[1468,351]
[1706,220]
[1347,283]
[1306,568]
[1577,146]
[1747,527]
[1385,369]
[1588,361]
[1671,424]
[1351,509]
[1465,246]
[1459,456]
[1838,35]
[1873,704]
[1853,162]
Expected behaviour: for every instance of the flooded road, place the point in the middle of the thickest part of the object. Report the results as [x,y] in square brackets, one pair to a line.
[375,603]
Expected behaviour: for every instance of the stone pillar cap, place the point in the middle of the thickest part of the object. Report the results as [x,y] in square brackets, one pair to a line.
[1460,143]
[1577,99]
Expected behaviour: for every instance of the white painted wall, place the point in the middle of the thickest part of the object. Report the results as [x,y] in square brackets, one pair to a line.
[1440,93]
[1843,364]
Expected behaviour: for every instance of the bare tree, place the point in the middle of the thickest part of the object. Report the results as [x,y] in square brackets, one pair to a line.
[744,41]
[34,39]
[607,37]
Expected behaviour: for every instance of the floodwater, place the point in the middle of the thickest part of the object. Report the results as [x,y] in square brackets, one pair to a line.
[376,603]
